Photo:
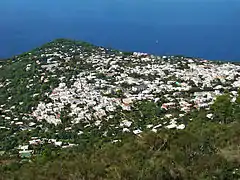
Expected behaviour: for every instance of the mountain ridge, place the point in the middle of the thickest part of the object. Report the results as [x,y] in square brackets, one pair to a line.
[68,96]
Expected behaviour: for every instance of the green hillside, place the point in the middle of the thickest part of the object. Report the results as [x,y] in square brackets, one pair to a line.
[71,110]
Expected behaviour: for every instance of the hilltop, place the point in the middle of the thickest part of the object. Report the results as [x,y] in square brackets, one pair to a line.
[117,115]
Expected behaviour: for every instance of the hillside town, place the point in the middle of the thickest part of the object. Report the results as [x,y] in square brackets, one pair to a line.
[95,86]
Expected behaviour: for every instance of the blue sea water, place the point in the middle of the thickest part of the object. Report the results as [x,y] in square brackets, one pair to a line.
[208,29]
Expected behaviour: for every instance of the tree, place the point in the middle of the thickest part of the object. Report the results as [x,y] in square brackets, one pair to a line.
[223,109]
[237,107]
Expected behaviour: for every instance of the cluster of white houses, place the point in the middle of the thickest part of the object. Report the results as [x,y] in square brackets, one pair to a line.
[114,82]
[145,77]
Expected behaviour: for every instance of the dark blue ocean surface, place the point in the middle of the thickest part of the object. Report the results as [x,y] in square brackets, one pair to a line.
[208,29]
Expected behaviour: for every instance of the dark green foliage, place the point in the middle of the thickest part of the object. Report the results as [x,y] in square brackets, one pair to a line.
[194,153]
[223,109]
[127,53]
